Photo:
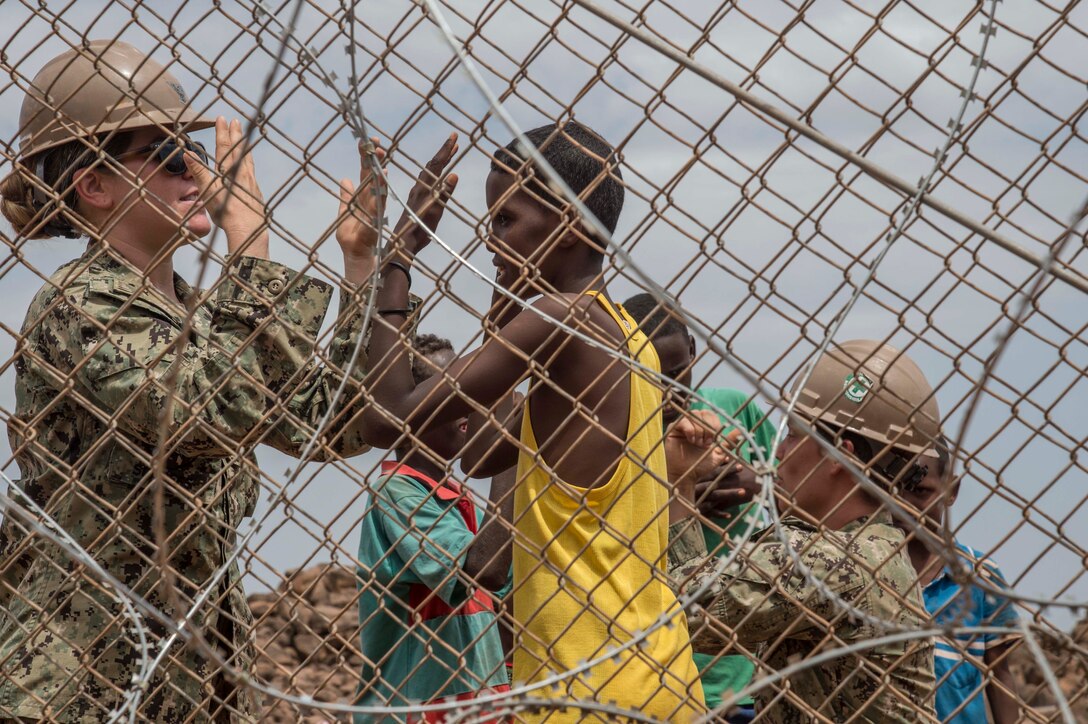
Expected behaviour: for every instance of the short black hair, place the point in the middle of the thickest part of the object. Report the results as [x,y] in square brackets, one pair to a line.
[579,156]
[423,347]
[656,319]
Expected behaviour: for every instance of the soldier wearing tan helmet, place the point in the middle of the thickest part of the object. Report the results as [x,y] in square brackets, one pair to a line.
[123,363]
[872,403]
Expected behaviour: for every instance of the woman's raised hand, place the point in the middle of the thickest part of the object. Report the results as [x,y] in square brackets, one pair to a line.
[361,214]
[231,194]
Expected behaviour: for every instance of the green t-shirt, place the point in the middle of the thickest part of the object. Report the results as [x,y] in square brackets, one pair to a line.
[732,672]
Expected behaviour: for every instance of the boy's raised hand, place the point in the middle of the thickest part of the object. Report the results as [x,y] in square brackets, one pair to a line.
[695,446]
[361,211]
[427,200]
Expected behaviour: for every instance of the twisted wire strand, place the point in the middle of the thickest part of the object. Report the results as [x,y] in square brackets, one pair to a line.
[146,666]
[954,127]
[45,526]
[418,221]
[766,479]
[195,637]
[871,168]
[603,233]
[161,451]
[1038,280]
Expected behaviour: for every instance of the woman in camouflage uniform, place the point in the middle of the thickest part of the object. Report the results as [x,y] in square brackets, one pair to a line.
[139,399]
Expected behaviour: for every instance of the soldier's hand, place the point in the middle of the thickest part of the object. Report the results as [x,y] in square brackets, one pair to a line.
[725,487]
[232,195]
[361,211]
[427,200]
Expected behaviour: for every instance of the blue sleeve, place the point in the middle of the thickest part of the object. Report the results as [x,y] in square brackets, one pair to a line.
[996,609]
[429,537]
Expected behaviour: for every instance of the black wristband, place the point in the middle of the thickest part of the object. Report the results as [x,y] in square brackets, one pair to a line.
[403,267]
[384,312]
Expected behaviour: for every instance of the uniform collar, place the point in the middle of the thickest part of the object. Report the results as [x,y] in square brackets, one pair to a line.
[127,279]
[881,517]
[448,489]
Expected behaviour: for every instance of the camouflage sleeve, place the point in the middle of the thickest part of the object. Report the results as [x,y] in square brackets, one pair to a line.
[309,401]
[277,312]
[349,325]
[687,552]
[760,596]
[129,361]
[16,553]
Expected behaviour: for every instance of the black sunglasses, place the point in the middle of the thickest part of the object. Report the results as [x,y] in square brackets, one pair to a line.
[167,153]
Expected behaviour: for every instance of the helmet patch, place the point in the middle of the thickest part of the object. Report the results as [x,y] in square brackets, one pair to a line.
[856,387]
[179,90]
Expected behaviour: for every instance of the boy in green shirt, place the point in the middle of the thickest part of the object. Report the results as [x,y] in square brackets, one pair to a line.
[428,561]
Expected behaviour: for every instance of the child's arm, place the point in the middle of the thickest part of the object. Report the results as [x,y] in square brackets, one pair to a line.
[489,557]
[491,445]
[1002,704]
[479,379]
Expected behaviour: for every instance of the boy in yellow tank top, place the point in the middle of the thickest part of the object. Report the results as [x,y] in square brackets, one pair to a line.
[591,503]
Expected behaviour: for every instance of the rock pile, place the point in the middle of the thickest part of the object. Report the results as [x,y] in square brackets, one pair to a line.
[307,641]
[1070,669]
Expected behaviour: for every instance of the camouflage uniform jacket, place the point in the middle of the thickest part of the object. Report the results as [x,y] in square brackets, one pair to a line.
[101,355]
[768,605]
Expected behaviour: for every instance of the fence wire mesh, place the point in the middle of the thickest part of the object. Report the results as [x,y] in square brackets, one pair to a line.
[225,502]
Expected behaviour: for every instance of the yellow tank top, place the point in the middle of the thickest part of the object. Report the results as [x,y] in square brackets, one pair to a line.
[589,571]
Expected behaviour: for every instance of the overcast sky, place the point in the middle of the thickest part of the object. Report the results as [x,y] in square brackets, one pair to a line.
[755,232]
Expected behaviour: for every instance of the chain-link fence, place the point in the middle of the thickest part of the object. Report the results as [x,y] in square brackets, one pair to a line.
[228,497]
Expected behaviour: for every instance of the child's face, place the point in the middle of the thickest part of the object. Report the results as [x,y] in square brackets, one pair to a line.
[446,439]
[676,353]
[520,231]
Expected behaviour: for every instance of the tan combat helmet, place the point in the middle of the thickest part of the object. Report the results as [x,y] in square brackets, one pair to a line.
[106,86]
[876,391]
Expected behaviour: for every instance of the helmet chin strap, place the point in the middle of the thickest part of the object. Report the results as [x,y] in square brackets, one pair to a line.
[39,172]
[57,225]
